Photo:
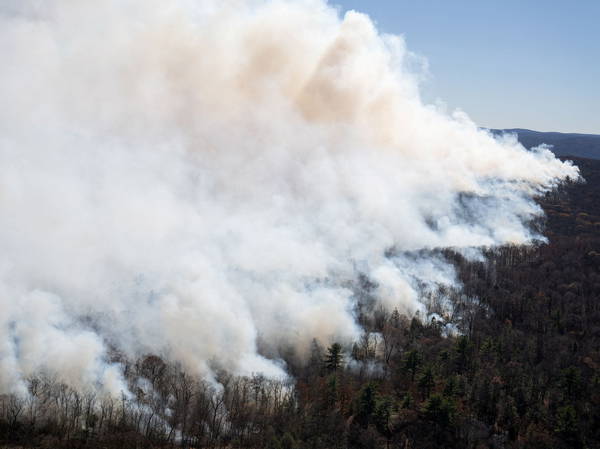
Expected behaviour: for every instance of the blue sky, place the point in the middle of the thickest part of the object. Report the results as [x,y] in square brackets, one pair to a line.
[528,64]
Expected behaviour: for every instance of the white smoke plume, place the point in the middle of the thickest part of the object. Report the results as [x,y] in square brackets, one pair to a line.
[202,180]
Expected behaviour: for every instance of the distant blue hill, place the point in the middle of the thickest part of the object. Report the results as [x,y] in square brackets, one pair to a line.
[563,144]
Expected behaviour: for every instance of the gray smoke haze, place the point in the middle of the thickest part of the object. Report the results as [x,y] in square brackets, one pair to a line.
[198,179]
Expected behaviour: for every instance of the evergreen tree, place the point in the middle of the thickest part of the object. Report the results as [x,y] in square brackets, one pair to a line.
[426,382]
[567,425]
[439,410]
[462,349]
[411,364]
[334,358]
[381,416]
[365,405]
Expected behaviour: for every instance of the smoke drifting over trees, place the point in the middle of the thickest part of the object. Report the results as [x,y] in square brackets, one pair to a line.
[210,181]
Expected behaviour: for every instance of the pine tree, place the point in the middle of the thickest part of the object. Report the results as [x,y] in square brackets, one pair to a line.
[426,382]
[334,358]
[412,361]
[439,410]
[365,405]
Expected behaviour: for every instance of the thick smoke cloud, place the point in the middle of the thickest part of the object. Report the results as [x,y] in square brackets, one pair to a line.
[201,179]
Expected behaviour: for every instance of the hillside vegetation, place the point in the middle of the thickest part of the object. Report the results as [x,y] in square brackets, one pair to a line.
[563,144]
[524,372]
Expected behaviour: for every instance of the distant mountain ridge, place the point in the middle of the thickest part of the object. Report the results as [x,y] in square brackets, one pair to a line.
[563,144]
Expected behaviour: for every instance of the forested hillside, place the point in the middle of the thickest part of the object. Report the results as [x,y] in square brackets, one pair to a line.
[563,144]
[524,371]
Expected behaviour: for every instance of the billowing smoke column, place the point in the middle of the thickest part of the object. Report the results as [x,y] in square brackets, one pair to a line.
[198,179]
